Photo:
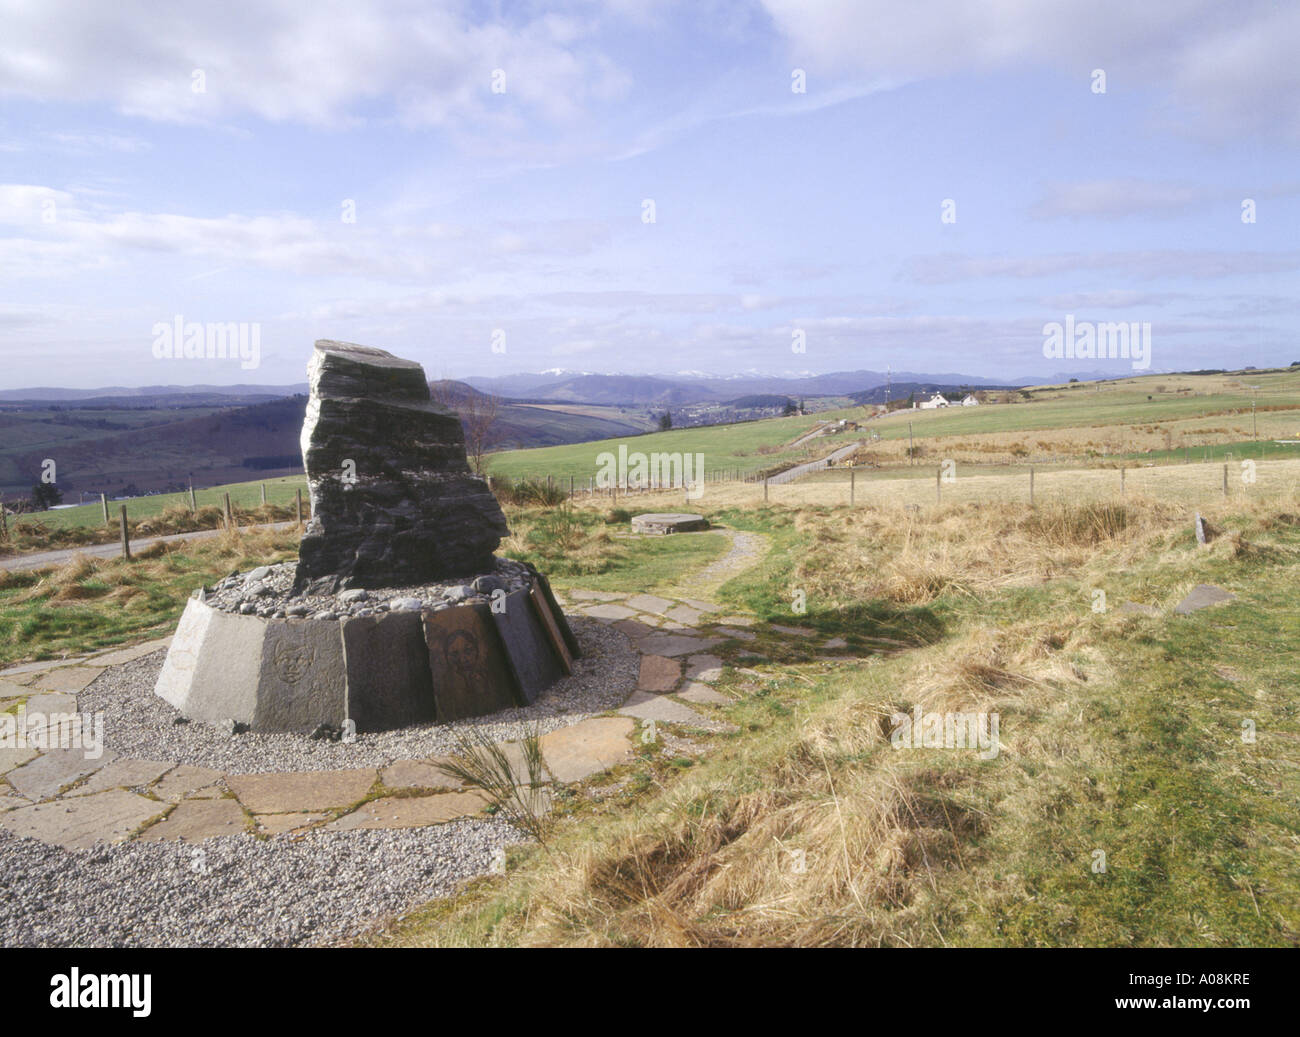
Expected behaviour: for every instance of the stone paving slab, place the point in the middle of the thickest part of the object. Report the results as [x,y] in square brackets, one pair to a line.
[302,790]
[514,753]
[836,642]
[685,615]
[634,628]
[44,776]
[78,824]
[707,668]
[659,673]
[702,606]
[675,644]
[123,774]
[193,820]
[28,670]
[184,780]
[583,749]
[119,656]
[70,679]
[650,603]
[11,802]
[702,693]
[579,595]
[411,811]
[1202,596]
[793,631]
[52,702]
[10,690]
[647,706]
[735,621]
[278,824]
[417,774]
[740,635]
[11,758]
[610,613]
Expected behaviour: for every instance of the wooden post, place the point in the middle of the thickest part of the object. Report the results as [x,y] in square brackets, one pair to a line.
[194,505]
[1122,473]
[1225,480]
[1031,486]
[852,485]
[230,514]
[765,489]
[938,485]
[103,503]
[264,495]
[126,537]
[4,522]
[909,442]
[298,502]
[570,489]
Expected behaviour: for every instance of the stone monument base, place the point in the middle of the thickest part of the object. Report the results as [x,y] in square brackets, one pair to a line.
[380,671]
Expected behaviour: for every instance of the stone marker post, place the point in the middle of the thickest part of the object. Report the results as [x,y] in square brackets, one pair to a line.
[230,515]
[264,495]
[194,505]
[126,536]
[103,503]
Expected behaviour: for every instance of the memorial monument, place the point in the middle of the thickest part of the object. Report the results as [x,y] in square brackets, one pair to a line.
[397,611]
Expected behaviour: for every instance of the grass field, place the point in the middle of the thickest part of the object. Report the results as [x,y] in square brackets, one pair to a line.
[1124,807]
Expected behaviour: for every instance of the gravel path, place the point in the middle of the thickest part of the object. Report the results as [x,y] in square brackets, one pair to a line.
[139,724]
[238,891]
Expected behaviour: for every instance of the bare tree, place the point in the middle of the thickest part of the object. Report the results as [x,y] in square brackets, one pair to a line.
[478,416]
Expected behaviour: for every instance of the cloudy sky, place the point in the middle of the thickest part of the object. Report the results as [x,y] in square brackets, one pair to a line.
[645,185]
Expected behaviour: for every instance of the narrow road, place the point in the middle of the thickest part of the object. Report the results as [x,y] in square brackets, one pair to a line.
[790,474]
[50,559]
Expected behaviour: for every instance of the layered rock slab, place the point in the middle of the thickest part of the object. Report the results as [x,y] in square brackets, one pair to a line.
[393,498]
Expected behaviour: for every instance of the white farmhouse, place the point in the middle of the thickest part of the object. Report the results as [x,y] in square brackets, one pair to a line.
[933,403]
[969,400]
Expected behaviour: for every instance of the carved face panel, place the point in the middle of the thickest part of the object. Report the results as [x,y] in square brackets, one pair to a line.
[292,661]
[463,651]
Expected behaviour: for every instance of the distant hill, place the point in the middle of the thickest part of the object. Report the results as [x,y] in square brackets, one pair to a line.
[150,394]
[923,390]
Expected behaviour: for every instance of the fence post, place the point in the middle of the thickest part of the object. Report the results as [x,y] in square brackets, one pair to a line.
[1225,480]
[126,536]
[765,489]
[4,522]
[194,506]
[230,514]
[1122,473]
[298,501]
[853,472]
[103,503]
[1031,486]
[938,485]
[264,495]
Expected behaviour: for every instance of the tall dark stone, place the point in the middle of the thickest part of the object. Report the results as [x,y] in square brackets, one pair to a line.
[394,501]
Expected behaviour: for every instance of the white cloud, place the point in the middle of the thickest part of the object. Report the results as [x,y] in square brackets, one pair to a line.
[1234,63]
[319,63]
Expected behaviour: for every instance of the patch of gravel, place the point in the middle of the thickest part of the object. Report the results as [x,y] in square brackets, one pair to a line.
[235,891]
[267,591]
[139,724]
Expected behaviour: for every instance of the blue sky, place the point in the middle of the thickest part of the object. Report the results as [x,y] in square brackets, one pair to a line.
[128,197]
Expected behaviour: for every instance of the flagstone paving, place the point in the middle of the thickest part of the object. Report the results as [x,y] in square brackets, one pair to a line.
[78,824]
[595,745]
[659,673]
[61,797]
[301,790]
[196,819]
